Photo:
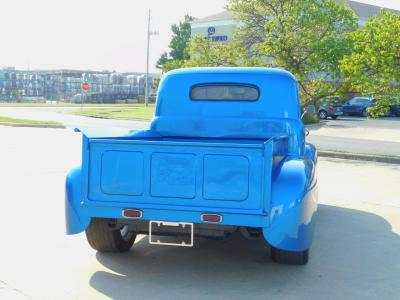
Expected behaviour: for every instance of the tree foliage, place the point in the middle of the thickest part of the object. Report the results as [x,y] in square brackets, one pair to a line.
[206,53]
[178,46]
[318,41]
[305,37]
[373,67]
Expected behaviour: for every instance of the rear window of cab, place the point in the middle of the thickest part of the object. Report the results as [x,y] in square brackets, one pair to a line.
[224,92]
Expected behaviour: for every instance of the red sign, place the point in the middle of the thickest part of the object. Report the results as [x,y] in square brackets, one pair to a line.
[85,86]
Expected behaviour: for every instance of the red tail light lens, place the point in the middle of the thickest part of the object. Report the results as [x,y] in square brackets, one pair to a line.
[211,218]
[331,108]
[132,213]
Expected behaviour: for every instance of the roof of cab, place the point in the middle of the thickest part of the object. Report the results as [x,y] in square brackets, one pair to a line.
[231,70]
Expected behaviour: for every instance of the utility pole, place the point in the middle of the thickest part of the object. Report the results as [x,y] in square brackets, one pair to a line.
[149,33]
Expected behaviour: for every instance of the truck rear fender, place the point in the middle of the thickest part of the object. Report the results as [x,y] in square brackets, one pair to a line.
[293,205]
[76,222]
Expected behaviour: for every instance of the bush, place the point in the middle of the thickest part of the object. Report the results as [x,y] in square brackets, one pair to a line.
[310,119]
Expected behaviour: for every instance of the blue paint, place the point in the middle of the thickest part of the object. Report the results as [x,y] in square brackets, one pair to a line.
[122,173]
[173,171]
[226,177]
[76,221]
[245,160]
[173,175]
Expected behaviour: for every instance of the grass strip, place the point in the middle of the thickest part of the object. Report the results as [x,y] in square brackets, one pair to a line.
[28,122]
[137,112]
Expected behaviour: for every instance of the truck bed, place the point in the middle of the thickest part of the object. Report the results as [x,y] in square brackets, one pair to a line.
[178,174]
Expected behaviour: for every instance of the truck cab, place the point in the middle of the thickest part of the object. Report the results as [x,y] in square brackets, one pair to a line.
[224,152]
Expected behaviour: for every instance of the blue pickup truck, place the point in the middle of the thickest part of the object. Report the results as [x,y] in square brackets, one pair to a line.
[225,152]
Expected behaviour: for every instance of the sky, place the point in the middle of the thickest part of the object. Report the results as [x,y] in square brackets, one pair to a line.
[96,34]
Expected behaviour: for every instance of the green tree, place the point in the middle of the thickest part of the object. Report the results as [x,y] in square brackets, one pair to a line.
[206,53]
[373,67]
[178,46]
[162,60]
[305,37]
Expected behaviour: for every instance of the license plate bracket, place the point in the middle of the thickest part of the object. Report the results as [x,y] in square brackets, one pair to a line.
[178,226]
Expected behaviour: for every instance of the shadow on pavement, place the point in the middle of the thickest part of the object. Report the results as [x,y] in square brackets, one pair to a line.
[355,255]
[314,126]
[331,125]
[350,119]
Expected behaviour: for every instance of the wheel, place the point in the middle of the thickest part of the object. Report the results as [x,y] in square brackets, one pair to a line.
[289,257]
[334,117]
[103,237]
[323,115]
[364,113]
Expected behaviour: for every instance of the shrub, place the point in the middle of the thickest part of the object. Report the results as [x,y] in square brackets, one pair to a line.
[310,119]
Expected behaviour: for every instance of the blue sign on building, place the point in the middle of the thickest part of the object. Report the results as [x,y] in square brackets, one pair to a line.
[211,30]
[219,38]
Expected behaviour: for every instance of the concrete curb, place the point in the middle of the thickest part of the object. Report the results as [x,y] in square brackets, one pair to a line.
[106,118]
[33,125]
[360,156]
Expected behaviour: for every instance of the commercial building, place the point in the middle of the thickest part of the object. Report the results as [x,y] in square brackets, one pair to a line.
[220,27]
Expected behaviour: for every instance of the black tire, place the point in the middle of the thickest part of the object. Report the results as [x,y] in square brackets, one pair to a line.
[289,257]
[364,113]
[323,115]
[334,117]
[104,238]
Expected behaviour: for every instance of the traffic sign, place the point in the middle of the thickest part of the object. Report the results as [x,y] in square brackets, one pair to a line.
[85,86]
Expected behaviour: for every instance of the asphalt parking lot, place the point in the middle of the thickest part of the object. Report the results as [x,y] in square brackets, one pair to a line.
[355,254]
[358,135]
[350,134]
[354,121]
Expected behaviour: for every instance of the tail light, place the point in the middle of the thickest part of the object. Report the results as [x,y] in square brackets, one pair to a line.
[211,218]
[132,213]
[331,108]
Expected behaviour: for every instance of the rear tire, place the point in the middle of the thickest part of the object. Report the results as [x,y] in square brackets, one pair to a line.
[104,238]
[323,115]
[364,113]
[289,257]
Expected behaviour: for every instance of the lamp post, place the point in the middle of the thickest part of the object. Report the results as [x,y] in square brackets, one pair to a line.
[149,33]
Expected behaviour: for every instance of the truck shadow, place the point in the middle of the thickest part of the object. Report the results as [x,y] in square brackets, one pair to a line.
[352,252]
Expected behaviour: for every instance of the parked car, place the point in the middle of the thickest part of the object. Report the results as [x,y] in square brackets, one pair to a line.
[330,107]
[225,152]
[394,110]
[358,106]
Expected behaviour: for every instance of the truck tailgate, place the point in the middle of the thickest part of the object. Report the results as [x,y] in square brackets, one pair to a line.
[190,174]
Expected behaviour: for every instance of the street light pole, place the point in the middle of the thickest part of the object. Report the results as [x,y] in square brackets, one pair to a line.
[149,33]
